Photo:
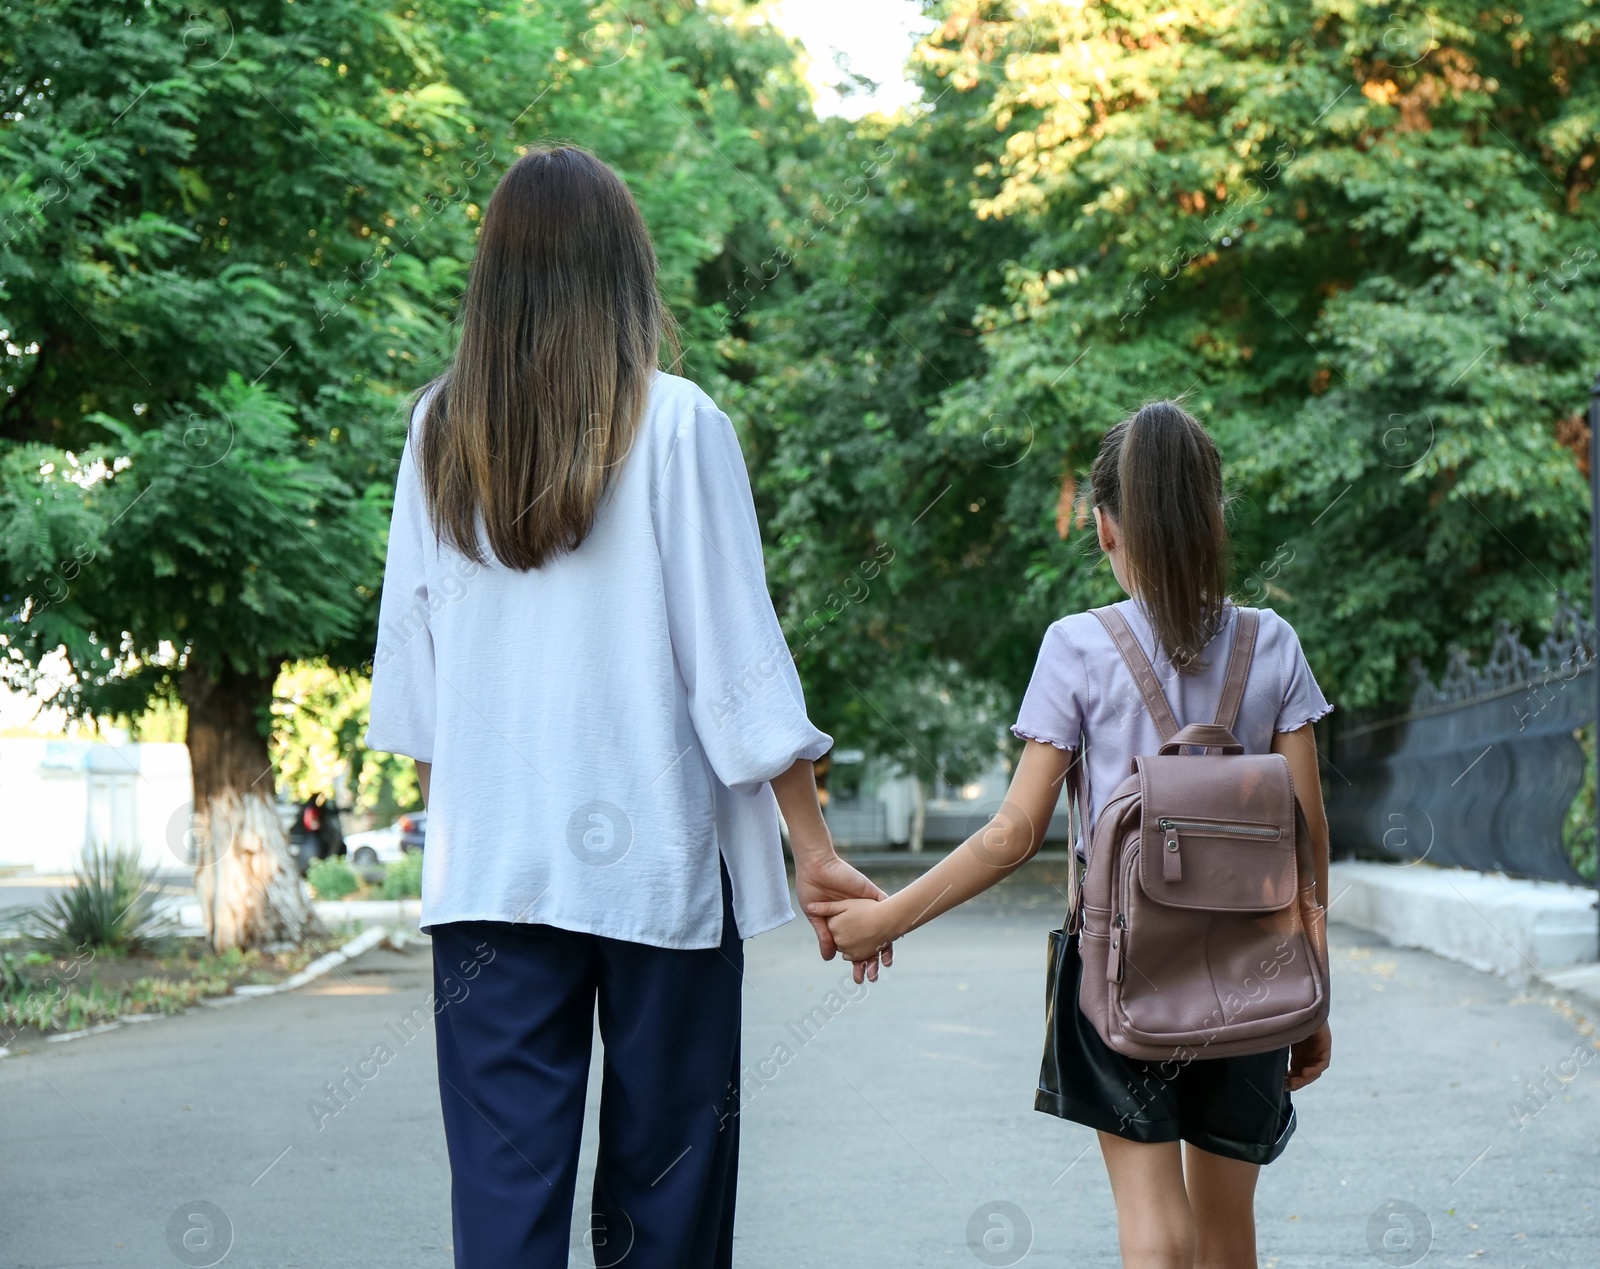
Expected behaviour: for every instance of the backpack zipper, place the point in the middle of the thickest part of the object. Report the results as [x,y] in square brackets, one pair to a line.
[1220,828]
[1119,925]
[1172,862]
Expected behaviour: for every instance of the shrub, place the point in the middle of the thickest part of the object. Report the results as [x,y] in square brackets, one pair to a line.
[1578,833]
[110,907]
[333,878]
[403,879]
[13,982]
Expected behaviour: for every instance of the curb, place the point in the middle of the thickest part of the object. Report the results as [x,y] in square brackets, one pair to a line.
[1489,921]
[362,942]
[1577,985]
[330,960]
[336,914]
[343,912]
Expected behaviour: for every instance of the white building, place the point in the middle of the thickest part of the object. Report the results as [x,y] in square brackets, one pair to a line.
[60,796]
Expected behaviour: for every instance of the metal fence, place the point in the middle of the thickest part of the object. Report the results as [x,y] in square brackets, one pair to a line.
[1482,769]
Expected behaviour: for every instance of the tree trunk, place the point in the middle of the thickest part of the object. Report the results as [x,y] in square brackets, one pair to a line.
[919,814]
[249,889]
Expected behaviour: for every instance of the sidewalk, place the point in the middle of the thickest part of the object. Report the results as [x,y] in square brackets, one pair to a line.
[878,1126]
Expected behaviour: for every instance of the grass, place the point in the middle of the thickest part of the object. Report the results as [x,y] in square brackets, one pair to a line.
[97,951]
[43,992]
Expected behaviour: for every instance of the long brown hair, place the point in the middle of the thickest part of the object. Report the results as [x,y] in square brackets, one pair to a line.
[1159,476]
[561,333]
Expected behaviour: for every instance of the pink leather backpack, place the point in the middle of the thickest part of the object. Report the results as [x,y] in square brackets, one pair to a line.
[1199,929]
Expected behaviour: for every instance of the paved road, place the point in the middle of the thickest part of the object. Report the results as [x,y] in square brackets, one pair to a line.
[869,1146]
[29,890]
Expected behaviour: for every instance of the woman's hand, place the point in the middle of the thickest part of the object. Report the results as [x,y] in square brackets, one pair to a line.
[861,928]
[1309,1058]
[819,874]
[818,882]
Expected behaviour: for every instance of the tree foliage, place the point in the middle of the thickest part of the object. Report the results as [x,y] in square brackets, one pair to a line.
[231,245]
[1360,241]
[231,250]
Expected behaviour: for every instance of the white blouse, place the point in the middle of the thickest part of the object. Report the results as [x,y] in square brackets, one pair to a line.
[602,728]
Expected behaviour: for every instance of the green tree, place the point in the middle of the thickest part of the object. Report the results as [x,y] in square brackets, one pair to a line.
[1360,239]
[229,250]
[1363,239]
[209,329]
[883,537]
[321,717]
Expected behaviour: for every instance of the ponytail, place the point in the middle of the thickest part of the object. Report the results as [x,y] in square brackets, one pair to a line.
[1159,476]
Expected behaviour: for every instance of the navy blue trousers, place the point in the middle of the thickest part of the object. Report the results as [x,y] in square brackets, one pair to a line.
[515,1019]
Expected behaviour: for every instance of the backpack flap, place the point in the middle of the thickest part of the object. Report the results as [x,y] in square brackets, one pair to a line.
[1217,832]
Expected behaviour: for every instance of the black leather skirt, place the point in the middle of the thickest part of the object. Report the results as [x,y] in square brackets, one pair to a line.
[1237,1107]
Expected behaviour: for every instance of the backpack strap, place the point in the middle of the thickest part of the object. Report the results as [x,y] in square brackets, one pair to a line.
[1244,647]
[1077,826]
[1155,700]
[1144,675]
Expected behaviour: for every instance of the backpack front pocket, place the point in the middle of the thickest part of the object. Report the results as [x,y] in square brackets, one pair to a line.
[1220,847]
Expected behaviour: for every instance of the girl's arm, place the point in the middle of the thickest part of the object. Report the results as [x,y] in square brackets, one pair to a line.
[861,927]
[424,774]
[1308,1058]
[1300,748]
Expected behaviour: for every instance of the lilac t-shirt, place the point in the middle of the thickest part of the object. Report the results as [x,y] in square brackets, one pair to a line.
[1082,696]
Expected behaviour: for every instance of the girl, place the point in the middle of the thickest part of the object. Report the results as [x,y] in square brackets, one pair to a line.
[577,647]
[1157,485]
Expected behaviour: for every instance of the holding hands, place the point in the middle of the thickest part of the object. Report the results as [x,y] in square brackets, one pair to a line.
[821,878]
[860,928]
[830,885]
[853,916]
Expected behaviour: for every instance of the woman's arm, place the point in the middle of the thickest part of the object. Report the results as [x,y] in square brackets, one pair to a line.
[424,774]
[1300,748]
[991,854]
[820,876]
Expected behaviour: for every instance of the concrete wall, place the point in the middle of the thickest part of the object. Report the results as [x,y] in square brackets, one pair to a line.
[1491,922]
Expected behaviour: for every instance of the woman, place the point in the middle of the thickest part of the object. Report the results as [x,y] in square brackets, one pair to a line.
[1159,514]
[577,647]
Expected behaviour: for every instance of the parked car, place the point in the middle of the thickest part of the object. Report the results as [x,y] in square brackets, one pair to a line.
[413,829]
[386,845]
[315,833]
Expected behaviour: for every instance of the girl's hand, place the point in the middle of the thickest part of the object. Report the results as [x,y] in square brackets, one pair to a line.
[1309,1058]
[821,878]
[859,926]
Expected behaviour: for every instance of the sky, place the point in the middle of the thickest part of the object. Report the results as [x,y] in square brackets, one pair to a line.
[876,36]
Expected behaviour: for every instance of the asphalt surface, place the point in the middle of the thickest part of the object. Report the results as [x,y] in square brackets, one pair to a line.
[29,890]
[892,1128]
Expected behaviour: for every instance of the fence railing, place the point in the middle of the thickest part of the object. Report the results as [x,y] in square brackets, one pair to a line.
[1482,769]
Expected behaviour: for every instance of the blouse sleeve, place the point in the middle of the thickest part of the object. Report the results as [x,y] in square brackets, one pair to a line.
[744,694]
[1303,701]
[402,711]
[1052,708]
